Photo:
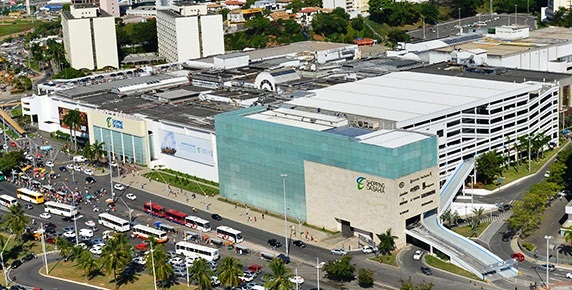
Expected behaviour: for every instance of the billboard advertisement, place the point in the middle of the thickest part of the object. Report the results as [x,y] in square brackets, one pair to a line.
[82,126]
[186,147]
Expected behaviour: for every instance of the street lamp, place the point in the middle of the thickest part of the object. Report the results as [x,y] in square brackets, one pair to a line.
[547,237]
[284,175]
[128,209]
[318,266]
[42,235]
[153,265]
[2,256]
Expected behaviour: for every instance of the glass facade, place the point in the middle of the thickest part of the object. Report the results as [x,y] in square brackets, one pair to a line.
[252,155]
[124,147]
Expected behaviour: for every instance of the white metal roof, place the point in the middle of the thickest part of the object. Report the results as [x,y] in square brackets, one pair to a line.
[392,138]
[402,96]
[274,117]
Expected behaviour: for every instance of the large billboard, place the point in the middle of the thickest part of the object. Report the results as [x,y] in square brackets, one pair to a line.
[186,147]
[82,126]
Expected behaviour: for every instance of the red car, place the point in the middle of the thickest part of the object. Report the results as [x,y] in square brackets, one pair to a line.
[518,256]
[141,247]
[254,268]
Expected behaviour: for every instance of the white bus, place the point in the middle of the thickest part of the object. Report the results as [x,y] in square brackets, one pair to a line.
[198,223]
[30,195]
[113,222]
[230,234]
[144,232]
[7,200]
[190,249]
[60,209]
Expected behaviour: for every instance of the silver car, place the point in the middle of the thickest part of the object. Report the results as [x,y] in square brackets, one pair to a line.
[338,252]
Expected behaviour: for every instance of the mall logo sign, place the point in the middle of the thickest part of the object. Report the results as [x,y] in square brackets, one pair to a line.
[370,185]
[118,124]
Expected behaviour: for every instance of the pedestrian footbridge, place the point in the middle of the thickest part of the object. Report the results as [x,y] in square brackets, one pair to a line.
[462,251]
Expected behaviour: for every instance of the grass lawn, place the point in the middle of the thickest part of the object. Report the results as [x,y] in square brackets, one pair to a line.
[387,259]
[445,266]
[141,281]
[10,26]
[465,231]
[182,182]
[516,172]
[14,250]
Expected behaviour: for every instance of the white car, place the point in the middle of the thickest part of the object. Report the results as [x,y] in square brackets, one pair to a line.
[297,280]
[119,186]
[96,250]
[86,233]
[90,223]
[368,250]
[69,234]
[338,252]
[29,157]
[176,261]
[569,275]
[88,171]
[70,166]
[77,168]
[49,164]
[417,255]
[140,260]
[547,173]
[131,196]
[45,215]
[246,277]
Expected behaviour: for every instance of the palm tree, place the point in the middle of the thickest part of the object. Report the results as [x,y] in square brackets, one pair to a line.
[88,153]
[568,235]
[524,142]
[229,270]
[85,261]
[163,270]
[72,119]
[202,273]
[279,278]
[123,244]
[479,213]
[98,149]
[64,246]
[386,242]
[113,257]
[16,221]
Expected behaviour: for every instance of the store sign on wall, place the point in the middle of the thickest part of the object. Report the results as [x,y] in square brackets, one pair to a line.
[114,123]
[371,185]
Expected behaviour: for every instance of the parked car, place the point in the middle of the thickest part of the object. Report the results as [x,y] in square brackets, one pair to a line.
[16,264]
[504,207]
[45,215]
[297,280]
[89,180]
[63,169]
[29,257]
[426,271]
[216,216]
[417,255]
[274,243]
[88,171]
[518,256]
[368,249]
[254,268]
[338,252]
[284,258]
[547,173]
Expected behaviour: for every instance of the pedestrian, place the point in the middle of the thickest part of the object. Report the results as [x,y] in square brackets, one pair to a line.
[262,216]
[254,219]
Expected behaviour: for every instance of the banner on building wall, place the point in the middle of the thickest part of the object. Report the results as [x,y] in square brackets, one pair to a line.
[186,147]
[82,126]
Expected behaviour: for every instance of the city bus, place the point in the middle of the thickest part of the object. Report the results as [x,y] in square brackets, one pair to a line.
[60,208]
[113,222]
[30,195]
[144,232]
[230,234]
[198,223]
[7,200]
[154,209]
[190,249]
[175,216]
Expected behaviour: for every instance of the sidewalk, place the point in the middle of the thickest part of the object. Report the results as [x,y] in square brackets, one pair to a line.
[271,224]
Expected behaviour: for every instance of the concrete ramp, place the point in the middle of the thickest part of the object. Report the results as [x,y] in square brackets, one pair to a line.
[12,123]
[454,183]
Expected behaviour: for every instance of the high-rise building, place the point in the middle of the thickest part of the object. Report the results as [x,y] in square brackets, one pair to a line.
[110,6]
[187,32]
[89,37]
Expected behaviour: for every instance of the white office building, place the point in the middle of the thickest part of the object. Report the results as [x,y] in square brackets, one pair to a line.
[89,37]
[187,32]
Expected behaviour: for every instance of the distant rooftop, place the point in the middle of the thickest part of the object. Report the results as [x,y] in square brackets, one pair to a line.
[392,138]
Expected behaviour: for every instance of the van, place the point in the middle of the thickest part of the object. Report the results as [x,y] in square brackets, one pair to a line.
[79,158]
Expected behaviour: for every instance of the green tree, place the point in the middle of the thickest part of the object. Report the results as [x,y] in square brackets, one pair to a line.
[64,246]
[114,257]
[229,270]
[449,217]
[72,119]
[341,269]
[365,277]
[278,279]
[9,160]
[69,73]
[16,221]
[86,261]
[489,167]
[201,273]
[163,270]
[98,149]
[23,83]
[568,235]
[386,242]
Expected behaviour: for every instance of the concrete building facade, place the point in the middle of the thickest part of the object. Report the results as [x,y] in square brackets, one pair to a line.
[186,32]
[89,38]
